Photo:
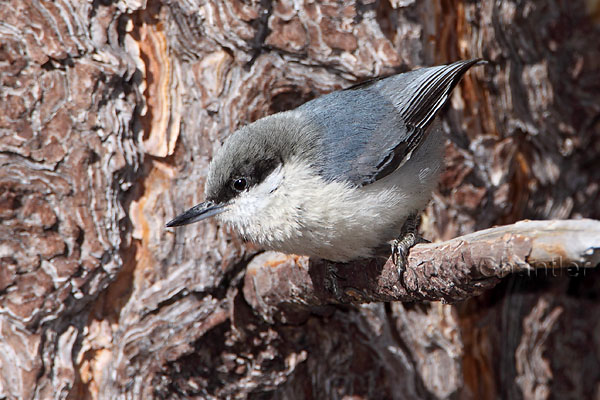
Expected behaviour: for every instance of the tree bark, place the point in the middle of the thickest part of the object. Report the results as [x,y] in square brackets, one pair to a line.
[109,114]
[449,271]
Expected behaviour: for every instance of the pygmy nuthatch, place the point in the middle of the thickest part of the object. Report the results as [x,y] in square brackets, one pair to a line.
[337,177]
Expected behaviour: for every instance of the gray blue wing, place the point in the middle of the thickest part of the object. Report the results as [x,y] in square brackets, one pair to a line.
[372,129]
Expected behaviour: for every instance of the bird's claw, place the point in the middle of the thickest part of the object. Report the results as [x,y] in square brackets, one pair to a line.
[332,281]
[401,246]
[400,249]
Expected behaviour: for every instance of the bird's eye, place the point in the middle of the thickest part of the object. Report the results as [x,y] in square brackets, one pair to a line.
[240,184]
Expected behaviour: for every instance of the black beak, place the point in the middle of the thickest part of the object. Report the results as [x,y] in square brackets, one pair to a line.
[197,213]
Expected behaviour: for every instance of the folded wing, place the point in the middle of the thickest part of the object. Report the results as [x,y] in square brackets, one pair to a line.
[373,128]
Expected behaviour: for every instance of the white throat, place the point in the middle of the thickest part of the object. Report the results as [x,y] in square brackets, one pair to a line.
[296,211]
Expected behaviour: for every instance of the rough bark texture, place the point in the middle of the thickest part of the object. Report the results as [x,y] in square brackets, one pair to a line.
[451,271]
[109,114]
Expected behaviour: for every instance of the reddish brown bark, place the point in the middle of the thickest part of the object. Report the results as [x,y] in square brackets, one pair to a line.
[109,114]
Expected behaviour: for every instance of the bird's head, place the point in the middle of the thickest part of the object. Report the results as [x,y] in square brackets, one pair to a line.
[245,172]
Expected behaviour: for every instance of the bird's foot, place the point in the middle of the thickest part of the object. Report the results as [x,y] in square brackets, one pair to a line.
[332,281]
[401,246]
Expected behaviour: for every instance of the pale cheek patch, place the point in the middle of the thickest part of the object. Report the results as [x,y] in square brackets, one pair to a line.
[247,208]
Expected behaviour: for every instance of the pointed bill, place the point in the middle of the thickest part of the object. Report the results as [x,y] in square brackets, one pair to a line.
[197,213]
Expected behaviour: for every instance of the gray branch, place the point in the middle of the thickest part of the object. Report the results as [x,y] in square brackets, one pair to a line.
[278,285]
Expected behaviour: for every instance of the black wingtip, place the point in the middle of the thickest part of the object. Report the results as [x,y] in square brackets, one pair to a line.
[473,62]
[466,64]
[430,90]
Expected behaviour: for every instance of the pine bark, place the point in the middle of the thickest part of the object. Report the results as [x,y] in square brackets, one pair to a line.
[109,114]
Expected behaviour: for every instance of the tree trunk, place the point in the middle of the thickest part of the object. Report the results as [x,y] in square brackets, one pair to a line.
[109,114]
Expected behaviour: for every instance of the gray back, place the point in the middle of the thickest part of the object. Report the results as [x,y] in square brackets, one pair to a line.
[369,130]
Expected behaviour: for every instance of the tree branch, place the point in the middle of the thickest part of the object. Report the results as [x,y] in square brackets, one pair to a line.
[280,286]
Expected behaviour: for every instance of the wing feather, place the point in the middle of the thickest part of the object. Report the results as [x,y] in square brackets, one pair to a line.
[373,128]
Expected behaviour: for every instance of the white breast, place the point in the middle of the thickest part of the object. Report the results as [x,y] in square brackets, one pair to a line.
[295,211]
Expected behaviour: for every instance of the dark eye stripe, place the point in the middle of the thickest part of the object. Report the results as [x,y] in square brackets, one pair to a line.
[243,175]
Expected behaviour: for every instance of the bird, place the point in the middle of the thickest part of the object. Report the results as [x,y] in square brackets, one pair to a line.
[341,177]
